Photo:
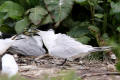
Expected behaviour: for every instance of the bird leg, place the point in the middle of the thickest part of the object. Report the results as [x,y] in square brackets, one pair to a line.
[65,60]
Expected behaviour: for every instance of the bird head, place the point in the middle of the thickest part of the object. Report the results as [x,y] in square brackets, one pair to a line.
[48,37]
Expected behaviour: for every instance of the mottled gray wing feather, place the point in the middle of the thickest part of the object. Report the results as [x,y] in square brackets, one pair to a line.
[28,46]
[67,47]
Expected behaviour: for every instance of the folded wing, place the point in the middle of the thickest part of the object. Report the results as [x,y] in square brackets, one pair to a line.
[32,46]
[67,47]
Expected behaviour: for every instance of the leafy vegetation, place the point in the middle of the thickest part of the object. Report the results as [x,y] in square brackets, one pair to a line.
[95,22]
[17,77]
[66,75]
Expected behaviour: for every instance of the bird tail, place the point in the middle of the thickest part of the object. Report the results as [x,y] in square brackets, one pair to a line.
[104,48]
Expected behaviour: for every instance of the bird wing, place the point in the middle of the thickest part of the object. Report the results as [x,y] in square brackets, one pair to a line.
[38,40]
[67,47]
[28,46]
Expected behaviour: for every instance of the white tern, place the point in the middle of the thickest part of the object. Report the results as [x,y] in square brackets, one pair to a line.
[9,65]
[61,45]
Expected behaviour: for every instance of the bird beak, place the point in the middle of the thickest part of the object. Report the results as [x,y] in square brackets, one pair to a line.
[14,37]
[37,30]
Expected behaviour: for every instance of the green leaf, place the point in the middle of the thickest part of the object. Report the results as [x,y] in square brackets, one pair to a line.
[80,30]
[118,28]
[93,2]
[70,23]
[46,20]
[59,9]
[109,0]
[105,37]
[14,10]
[94,29]
[81,2]
[99,15]
[115,8]
[83,39]
[2,17]
[21,25]
[37,14]
[2,1]
[118,66]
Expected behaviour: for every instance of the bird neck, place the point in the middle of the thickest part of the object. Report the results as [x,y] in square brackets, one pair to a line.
[48,38]
[49,41]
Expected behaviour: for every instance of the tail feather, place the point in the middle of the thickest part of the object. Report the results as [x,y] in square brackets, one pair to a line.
[104,48]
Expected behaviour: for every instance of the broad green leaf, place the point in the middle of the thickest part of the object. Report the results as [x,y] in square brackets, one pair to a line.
[3,16]
[80,30]
[99,15]
[83,39]
[2,1]
[81,2]
[115,8]
[14,10]
[93,2]
[105,37]
[37,14]
[70,23]
[118,28]
[109,0]
[59,9]
[46,20]
[99,9]
[94,29]
[21,25]
[100,1]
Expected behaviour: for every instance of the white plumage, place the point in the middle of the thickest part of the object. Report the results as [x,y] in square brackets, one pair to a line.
[61,45]
[9,65]
[5,44]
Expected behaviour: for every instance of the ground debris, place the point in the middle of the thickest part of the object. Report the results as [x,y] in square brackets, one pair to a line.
[35,67]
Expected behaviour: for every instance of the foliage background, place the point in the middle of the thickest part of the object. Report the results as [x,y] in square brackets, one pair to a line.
[94,22]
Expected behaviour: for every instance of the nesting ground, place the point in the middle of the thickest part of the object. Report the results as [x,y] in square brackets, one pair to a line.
[35,67]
